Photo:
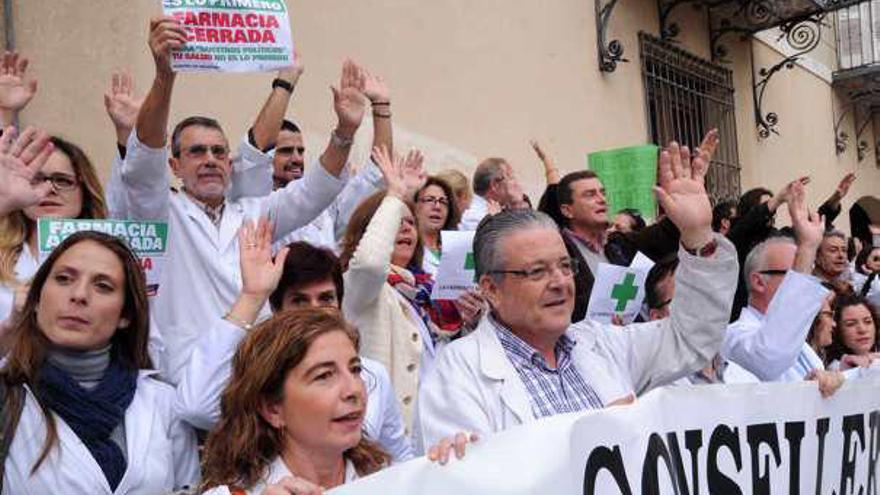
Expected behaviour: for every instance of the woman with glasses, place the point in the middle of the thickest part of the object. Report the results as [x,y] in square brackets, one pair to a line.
[76,192]
[83,409]
[387,294]
[435,211]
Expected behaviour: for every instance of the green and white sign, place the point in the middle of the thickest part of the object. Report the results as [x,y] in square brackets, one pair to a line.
[232,35]
[629,175]
[148,240]
[456,271]
[619,290]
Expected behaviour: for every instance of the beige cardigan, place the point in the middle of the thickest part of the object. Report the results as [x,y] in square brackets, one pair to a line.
[388,334]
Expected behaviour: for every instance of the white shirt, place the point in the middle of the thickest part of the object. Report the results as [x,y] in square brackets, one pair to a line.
[201,277]
[274,473]
[474,387]
[471,217]
[161,451]
[773,346]
[210,367]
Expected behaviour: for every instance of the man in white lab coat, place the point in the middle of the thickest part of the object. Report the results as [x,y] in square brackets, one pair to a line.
[769,338]
[200,279]
[494,181]
[526,361]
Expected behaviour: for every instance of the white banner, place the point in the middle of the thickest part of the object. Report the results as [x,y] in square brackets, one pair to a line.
[768,438]
[232,35]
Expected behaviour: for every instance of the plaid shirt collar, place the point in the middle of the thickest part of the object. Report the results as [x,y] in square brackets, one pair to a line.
[214,213]
[523,354]
[597,246]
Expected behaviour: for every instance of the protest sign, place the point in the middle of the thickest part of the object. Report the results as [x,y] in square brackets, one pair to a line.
[628,174]
[767,438]
[456,271]
[619,290]
[148,240]
[232,35]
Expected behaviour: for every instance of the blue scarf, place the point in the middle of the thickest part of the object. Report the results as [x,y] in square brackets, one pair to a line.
[92,414]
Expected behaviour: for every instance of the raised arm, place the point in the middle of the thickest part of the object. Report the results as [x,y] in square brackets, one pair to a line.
[16,87]
[349,103]
[551,173]
[771,349]
[830,209]
[122,108]
[377,92]
[658,352]
[145,173]
[268,124]
[369,265]
[210,366]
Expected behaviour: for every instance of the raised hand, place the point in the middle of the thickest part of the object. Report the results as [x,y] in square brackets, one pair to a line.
[808,226]
[259,272]
[21,159]
[682,191]
[550,171]
[375,88]
[16,89]
[392,171]
[844,185]
[121,105]
[414,172]
[166,35]
[349,101]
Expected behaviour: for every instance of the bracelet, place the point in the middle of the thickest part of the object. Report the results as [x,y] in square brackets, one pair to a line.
[381,103]
[247,327]
[281,83]
[382,115]
[705,251]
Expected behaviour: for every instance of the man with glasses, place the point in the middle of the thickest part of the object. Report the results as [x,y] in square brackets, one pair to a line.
[201,278]
[526,360]
[769,338]
[494,182]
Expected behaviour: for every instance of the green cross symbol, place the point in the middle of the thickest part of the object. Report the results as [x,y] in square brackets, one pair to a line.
[470,265]
[625,292]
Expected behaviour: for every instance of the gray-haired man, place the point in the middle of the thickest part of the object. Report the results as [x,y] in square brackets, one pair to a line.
[526,361]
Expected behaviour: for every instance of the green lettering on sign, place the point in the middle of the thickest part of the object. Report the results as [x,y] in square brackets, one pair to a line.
[625,292]
[470,265]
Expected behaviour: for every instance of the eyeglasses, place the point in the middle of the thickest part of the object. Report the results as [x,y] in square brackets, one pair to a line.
[200,150]
[568,267]
[61,182]
[434,201]
[773,272]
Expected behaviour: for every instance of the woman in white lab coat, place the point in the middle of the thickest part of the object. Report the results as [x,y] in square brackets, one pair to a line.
[85,411]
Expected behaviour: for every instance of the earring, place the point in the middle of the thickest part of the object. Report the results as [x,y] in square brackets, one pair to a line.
[124,323]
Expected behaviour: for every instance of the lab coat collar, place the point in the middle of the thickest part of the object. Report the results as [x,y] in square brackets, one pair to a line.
[230,222]
[495,365]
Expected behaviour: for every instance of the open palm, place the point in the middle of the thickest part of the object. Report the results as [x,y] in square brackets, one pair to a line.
[16,91]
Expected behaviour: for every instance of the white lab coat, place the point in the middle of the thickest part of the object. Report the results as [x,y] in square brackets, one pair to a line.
[201,278]
[161,450]
[773,346]
[25,269]
[474,387]
[274,473]
[210,367]
[253,178]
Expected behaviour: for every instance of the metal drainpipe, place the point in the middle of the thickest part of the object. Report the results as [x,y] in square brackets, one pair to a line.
[9,30]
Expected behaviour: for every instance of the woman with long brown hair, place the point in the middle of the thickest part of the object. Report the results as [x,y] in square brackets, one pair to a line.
[84,410]
[76,192]
[293,412]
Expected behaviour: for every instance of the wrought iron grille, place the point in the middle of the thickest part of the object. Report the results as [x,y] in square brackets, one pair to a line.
[686,96]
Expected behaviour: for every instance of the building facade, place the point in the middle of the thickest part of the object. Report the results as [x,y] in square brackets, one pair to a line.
[787,82]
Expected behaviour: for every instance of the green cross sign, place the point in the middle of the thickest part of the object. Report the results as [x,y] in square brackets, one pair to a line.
[625,292]
[469,262]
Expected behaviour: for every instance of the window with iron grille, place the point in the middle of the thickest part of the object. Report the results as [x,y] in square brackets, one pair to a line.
[686,96]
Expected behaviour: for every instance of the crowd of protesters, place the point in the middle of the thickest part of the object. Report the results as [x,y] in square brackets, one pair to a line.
[294,344]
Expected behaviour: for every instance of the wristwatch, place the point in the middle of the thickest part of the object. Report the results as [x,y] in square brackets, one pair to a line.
[706,251]
[281,83]
[339,141]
